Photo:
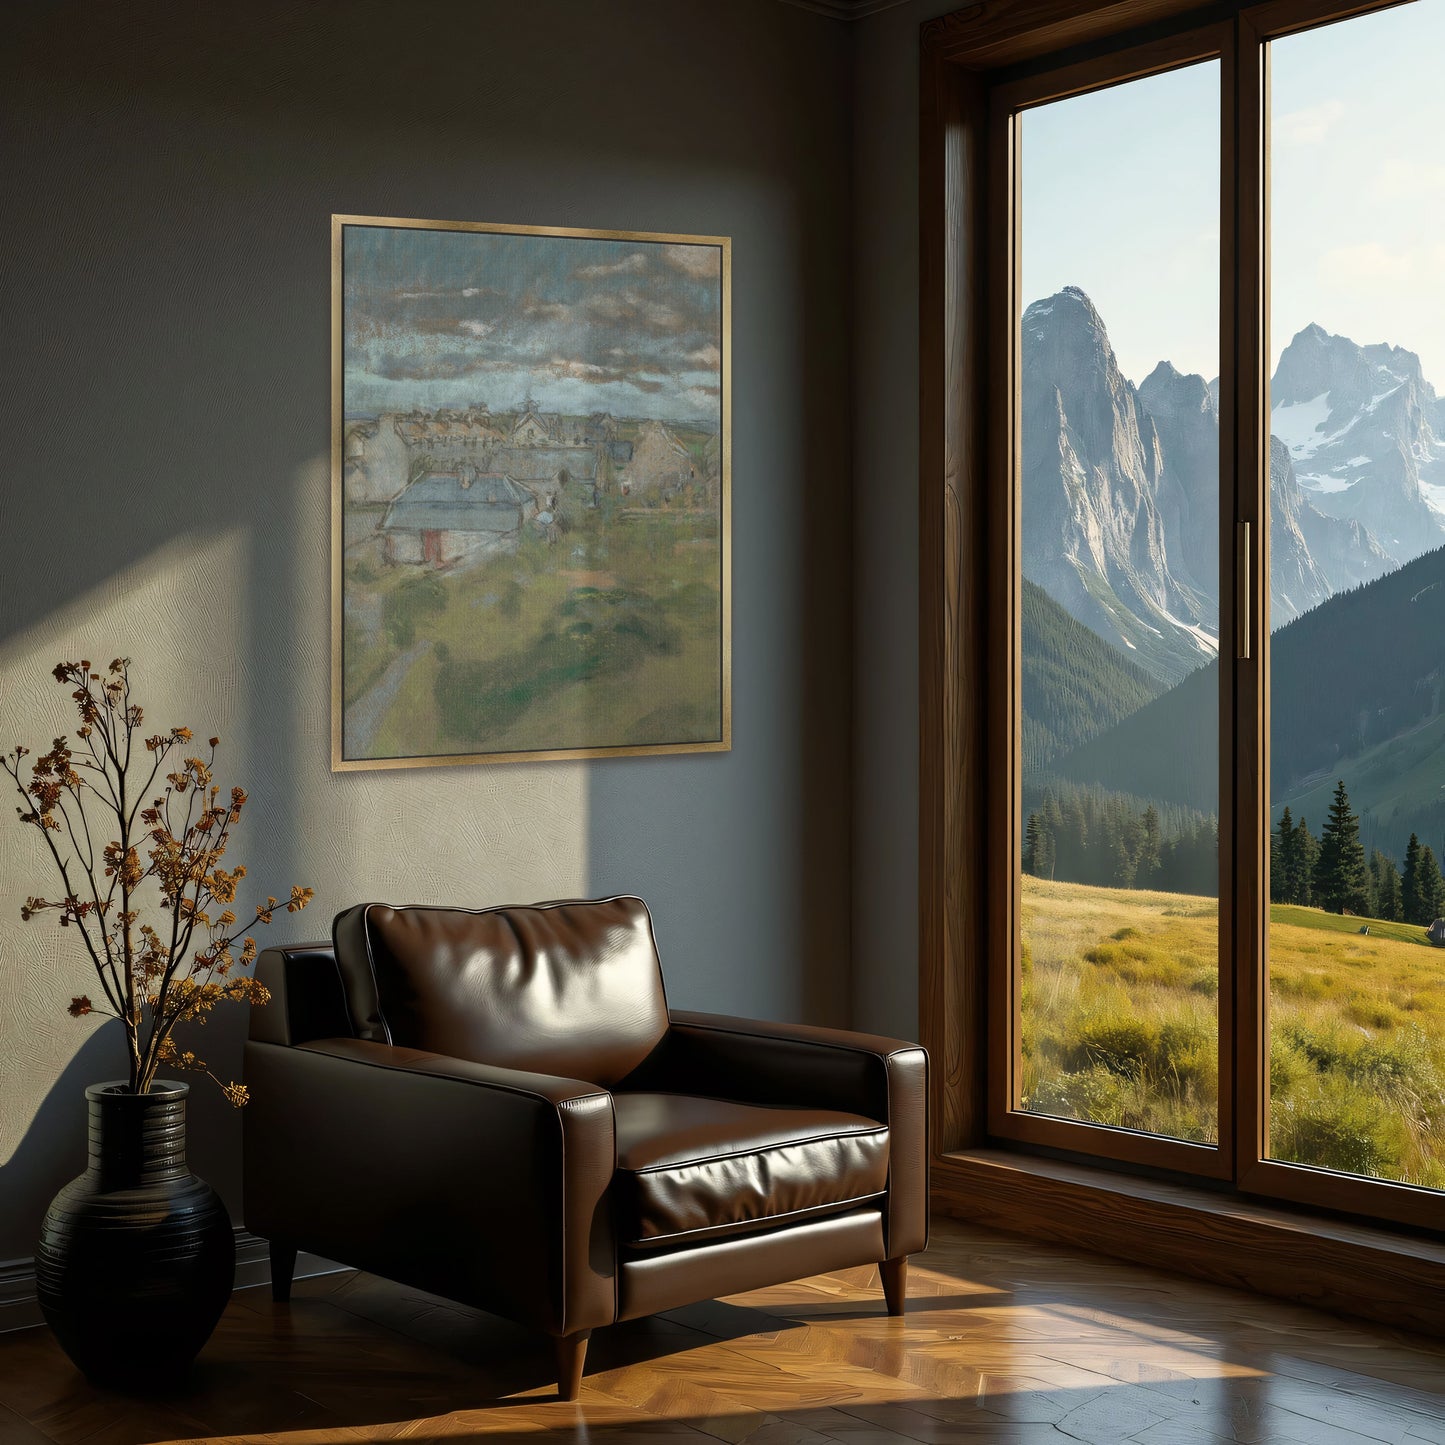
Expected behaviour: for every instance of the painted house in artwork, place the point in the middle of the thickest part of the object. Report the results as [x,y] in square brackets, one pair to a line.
[378,452]
[532,429]
[374,460]
[448,430]
[534,449]
[551,472]
[660,466]
[446,518]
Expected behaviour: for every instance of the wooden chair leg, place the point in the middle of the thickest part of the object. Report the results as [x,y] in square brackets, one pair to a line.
[895,1283]
[283,1267]
[571,1355]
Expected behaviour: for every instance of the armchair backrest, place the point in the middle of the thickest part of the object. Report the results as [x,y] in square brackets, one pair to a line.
[571,988]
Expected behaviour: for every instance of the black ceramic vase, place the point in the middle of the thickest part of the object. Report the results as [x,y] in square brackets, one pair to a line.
[137,1256]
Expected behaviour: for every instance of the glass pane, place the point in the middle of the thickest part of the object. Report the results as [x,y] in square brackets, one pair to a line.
[1357,513]
[1119,344]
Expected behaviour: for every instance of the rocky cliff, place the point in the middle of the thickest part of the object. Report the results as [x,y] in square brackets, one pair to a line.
[1363,429]
[1121,520]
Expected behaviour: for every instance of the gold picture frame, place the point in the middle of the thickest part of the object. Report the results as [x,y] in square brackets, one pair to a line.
[531,477]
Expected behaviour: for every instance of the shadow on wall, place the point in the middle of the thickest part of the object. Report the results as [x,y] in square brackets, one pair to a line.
[748,867]
[475,837]
[165,486]
[189,632]
[52,1150]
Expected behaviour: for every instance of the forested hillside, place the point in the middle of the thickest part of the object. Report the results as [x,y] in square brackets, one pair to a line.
[1364,667]
[1075,685]
[1168,750]
[1086,835]
[1356,693]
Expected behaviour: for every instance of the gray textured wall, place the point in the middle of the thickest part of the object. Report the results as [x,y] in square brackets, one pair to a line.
[170,170]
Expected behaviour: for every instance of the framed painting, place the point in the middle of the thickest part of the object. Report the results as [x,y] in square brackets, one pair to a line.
[531,493]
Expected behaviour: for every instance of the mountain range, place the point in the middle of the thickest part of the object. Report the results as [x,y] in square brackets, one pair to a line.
[1120,483]
[1357,691]
[1364,430]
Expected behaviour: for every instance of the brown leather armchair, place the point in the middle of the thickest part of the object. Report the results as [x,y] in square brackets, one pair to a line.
[499,1107]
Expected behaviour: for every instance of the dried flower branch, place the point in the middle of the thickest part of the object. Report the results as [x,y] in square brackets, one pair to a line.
[165,852]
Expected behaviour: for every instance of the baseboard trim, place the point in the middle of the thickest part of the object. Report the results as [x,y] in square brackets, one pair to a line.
[20,1309]
[1338,1265]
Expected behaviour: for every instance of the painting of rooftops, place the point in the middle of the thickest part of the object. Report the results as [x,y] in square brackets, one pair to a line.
[531,473]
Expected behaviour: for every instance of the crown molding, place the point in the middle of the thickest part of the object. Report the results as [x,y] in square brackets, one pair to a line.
[845,10]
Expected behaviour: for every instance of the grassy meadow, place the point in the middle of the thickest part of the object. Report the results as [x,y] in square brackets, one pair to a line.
[1120,1026]
[606,636]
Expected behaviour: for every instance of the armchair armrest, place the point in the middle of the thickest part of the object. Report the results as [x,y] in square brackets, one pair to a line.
[756,1062]
[485,1184]
[307,999]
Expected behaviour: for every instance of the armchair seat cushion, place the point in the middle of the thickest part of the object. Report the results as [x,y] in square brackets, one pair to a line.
[691,1169]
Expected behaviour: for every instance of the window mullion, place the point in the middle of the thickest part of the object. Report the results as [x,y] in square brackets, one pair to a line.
[1246,121]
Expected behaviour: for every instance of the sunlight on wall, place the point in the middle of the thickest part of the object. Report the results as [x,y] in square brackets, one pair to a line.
[254,607]
[472,836]
[180,603]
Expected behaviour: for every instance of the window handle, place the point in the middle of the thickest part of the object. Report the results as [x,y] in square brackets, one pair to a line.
[1241,591]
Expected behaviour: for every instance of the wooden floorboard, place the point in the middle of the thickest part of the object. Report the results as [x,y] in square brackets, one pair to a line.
[1005,1339]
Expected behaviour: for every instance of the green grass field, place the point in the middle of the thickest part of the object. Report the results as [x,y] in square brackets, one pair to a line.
[1296,917]
[1120,1026]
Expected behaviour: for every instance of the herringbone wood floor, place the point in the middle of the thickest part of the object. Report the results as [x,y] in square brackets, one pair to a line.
[1004,1340]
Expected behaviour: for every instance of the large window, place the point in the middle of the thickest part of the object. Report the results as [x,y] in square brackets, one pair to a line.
[1357,597]
[1119,605]
[1218,281]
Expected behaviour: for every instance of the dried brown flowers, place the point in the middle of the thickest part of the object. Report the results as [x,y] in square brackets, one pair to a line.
[165,854]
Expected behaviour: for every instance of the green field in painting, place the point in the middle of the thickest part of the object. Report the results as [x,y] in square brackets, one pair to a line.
[1120,1026]
[607,636]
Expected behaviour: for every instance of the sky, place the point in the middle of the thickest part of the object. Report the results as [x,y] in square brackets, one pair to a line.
[453,318]
[1121,196]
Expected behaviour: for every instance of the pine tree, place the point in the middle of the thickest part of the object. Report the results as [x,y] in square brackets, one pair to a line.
[1051,822]
[1038,848]
[1122,860]
[1431,887]
[1411,906]
[1031,845]
[1306,854]
[1283,850]
[1341,881]
[1146,869]
[1071,846]
[1384,887]
[1389,903]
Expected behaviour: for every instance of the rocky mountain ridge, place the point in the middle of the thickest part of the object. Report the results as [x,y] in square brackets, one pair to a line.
[1096,529]
[1121,483]
[1366,434]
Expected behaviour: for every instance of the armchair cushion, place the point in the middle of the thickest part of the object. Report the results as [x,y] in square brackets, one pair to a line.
[571,989]
[692,1169]
[756,1062]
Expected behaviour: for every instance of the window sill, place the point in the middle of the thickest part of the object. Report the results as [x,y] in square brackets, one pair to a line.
[1345,1267]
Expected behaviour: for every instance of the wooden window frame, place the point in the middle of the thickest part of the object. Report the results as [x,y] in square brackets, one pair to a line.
[1008,100]
[977,64]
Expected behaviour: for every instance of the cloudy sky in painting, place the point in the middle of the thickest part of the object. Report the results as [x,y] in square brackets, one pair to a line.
[452,318]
